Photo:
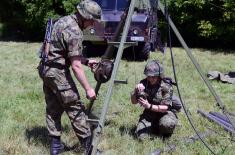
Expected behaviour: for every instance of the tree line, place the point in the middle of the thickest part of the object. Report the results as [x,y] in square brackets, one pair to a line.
[202,23]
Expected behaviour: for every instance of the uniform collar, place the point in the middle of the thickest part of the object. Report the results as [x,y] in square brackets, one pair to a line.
[77,18]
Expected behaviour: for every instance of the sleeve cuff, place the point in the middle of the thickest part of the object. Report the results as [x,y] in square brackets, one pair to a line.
[72,54]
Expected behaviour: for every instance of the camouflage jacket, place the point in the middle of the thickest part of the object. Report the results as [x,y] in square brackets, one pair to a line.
[66,40]
[159,94]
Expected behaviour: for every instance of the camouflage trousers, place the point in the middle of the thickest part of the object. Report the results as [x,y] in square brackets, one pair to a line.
[156,123]
[61,95]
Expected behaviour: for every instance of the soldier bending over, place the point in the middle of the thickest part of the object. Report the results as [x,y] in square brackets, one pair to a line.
[60,91]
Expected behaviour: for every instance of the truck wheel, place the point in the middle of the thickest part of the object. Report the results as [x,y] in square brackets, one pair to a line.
[143,51]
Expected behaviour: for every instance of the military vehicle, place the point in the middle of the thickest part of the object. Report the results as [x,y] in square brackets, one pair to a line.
[143,29]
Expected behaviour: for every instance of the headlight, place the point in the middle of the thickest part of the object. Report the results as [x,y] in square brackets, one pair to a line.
[135,32]
[92,31]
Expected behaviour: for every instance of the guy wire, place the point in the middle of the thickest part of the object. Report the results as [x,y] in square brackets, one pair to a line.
[174,71]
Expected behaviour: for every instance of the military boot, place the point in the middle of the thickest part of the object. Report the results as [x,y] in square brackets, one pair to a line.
[86,145]
[56,146]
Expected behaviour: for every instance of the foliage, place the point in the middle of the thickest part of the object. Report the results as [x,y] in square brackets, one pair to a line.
[211,20]
[31,15]
[22,118]
[206,23]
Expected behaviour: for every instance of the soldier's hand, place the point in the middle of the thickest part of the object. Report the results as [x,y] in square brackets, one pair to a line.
[139,87]
[90,94]
[144,103]
[92,63]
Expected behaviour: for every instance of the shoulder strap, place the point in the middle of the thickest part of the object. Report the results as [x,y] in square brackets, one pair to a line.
[169,81]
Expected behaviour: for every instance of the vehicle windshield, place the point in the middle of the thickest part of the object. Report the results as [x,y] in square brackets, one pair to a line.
[122,4]
[113,4]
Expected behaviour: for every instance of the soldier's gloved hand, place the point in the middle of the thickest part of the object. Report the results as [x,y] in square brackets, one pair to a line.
[144,103]
[139,87]
[90,94]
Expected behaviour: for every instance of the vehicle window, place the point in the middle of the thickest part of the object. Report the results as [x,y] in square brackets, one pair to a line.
[107,4]
[122,4]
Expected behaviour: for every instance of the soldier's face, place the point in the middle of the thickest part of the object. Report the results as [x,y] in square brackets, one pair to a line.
[153,79]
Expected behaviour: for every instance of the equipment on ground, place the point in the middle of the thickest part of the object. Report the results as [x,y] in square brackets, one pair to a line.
[219,119]
[223,77]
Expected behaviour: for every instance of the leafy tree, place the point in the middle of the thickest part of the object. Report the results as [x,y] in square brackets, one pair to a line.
[11,15]
[31,15]
[201,22]
[205,21]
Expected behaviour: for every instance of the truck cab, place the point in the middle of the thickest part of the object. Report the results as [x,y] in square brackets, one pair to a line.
[143,28]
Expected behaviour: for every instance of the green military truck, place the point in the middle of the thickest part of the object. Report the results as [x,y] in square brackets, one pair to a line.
[143,29]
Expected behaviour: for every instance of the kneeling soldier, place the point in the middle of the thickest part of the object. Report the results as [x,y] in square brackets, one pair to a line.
[155,94]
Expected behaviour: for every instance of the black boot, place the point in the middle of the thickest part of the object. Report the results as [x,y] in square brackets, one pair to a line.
[86,145]
[56,146]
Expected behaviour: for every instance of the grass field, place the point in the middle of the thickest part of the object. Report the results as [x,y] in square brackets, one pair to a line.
[22,116]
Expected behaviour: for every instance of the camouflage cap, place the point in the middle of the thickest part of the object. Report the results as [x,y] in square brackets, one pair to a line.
[89,10]
[153,68]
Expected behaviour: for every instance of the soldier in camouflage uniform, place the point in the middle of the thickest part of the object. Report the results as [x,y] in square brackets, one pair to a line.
[60,90]
[155,94]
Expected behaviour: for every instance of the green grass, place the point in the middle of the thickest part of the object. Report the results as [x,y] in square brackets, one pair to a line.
[22,116]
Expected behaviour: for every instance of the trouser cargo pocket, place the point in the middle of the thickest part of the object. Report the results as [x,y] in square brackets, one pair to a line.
[62,82]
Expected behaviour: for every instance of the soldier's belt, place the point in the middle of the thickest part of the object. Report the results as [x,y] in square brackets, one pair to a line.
[57,65]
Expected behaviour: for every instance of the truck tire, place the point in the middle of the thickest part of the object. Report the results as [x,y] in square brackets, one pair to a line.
[143,50]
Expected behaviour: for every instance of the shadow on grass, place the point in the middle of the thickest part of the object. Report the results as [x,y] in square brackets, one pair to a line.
[39,135]
[129,130]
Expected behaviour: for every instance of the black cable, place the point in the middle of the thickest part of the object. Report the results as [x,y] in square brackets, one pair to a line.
[174,71]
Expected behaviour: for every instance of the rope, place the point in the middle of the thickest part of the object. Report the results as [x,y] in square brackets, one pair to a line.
[174,71]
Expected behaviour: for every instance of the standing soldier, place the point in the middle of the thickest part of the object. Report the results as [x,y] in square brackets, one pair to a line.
[61,94]
[155,94]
